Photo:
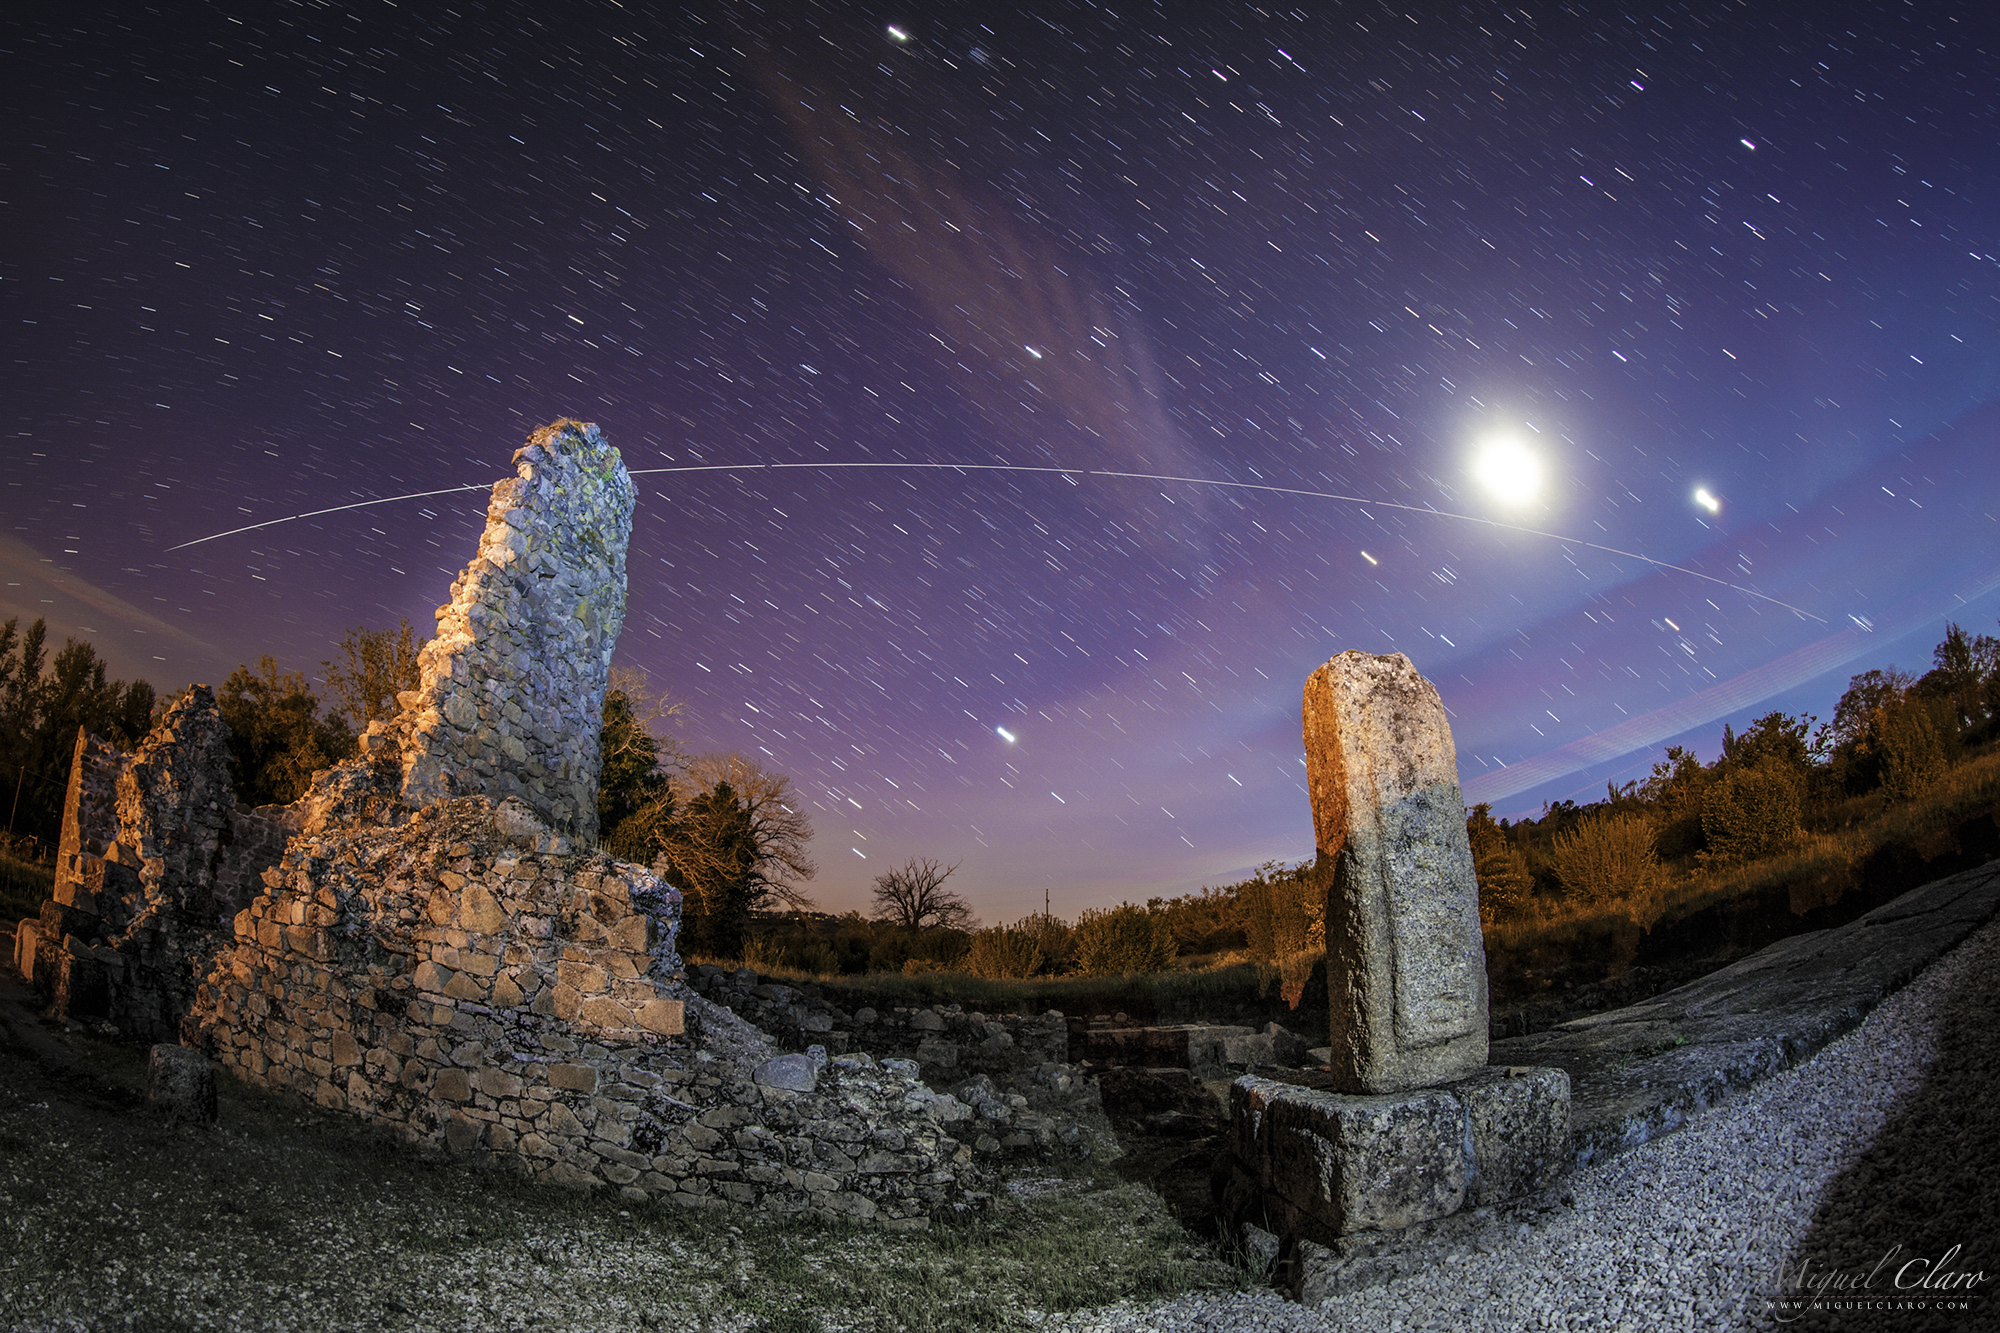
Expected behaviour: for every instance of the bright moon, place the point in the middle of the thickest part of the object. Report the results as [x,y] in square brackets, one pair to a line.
[1509,470]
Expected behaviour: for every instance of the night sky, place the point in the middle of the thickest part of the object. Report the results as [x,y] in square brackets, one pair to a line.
[1221,307]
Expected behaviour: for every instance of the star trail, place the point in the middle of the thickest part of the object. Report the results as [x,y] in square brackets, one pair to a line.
[1024,400]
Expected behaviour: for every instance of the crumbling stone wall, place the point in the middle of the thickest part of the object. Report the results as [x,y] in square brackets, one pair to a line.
[155,857]
[428,940]
[474,979]
[512,692]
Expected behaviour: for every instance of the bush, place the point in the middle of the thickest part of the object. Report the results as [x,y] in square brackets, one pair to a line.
[1751,812]
[1005,951]
[1123,940]
[1283,910]
[1608,858]
[1913,753]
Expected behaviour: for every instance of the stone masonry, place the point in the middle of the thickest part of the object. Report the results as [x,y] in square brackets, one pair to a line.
[513,684]
[474,979]
[155,858]
[437,948]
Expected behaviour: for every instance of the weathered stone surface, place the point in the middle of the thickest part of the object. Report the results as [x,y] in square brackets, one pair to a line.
[1346,1163]
[1406,964]
[794,1072]
[1324,1165]
[180,1083]
[27,934]
[155,859]
[513,684]
[1518,1120]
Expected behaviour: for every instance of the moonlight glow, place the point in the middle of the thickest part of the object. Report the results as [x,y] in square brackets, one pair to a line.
[1508,470]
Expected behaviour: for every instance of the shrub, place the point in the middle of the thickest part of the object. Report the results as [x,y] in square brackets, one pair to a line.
[1004,951]
[1502,868]
[1608,858]
[1284,910]
[1053,937]
[1751,812]
[1123,940]
[1913,753]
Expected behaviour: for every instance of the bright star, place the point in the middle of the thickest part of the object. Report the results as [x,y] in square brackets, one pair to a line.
[898,34]
[1707,501]
[1004,734]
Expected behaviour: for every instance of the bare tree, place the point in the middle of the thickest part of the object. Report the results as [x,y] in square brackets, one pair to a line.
[776,826]
[914,896]
[634,733]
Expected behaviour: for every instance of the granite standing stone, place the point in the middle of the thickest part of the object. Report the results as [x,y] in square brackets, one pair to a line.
[1406,966]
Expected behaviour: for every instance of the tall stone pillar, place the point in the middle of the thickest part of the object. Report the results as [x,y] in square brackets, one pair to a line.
[512,692]
[1406,965]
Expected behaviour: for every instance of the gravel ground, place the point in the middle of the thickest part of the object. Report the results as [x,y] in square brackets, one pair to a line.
[1887,1145]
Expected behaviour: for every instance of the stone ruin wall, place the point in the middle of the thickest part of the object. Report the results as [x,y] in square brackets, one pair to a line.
[426,940]
[472,979]
[155,856]
[512,687]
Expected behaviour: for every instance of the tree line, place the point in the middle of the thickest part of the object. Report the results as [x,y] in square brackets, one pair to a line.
[1893,737]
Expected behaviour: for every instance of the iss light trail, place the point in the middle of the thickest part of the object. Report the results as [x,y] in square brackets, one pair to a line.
[1068,472]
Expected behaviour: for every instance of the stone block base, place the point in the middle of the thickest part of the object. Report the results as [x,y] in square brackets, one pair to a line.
[1310,1165]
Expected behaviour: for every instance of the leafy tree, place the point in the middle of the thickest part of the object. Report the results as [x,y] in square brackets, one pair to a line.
[710,854]
[1852,741]
[631,778]
[277,740]
[1773,736]
[42,705]
[1125,939]
[1961,666]
[1502,869]
[729,836]
[380,664]
[1751,811]
[914,896]
[1913,752]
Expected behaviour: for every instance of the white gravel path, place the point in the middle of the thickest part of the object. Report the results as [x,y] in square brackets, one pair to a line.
[1690,1231]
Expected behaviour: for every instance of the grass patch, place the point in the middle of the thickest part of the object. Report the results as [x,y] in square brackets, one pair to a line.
[24,887]
[1192,995]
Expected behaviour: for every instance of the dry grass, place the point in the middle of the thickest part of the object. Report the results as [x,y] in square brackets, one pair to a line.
[1189,994]
[24,887]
